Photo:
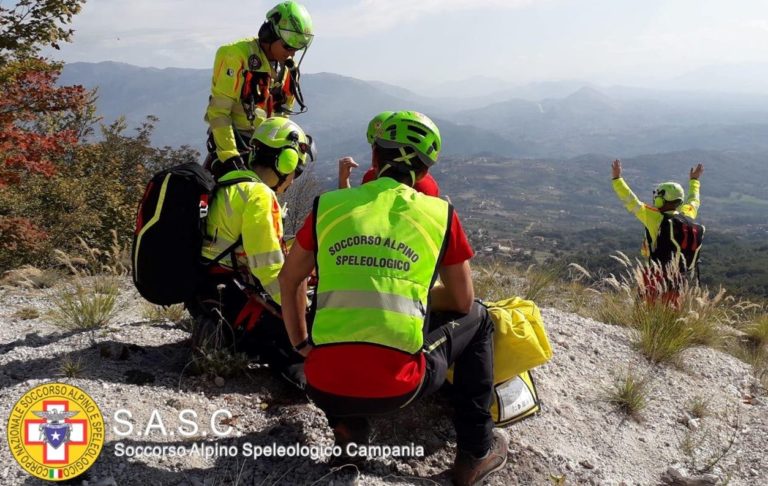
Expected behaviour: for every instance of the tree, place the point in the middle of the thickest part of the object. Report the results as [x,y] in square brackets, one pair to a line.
[31,24]
[91,193]
[54,185]
[39,121]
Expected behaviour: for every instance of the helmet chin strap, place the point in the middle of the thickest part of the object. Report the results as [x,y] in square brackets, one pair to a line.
[281,178]
[304,52]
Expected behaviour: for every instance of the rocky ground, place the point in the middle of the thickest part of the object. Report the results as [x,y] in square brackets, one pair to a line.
[578,438]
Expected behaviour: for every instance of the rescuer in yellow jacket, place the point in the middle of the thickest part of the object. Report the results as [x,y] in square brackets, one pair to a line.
[253,79]
[244,231]
[669,197]
[668,201]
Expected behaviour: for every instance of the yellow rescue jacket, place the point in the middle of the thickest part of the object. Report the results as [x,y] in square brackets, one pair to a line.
[650,216]
[237,68]
[247,210]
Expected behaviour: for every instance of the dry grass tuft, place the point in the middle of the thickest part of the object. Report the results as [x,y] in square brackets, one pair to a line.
[115,260]
[629,393]
[496,280]
[212,347]
[757,332]
[32,277]
[26,313]
[539,279]
[665,325]
[155,313]
[72,367]
[85,308]
[699,407]
[663,332]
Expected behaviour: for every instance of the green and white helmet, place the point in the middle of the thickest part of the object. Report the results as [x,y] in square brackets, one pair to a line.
[667,192]
[375,124]
[405,129]
[292,23]
[290,144]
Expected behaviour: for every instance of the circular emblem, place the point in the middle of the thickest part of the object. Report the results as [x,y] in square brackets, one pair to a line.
[55,431]
[254,63]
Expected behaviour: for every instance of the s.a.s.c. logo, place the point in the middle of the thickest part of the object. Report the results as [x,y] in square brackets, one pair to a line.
[55,431]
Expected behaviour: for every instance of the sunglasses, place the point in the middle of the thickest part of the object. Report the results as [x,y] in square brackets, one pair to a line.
[298,40]
[289,47]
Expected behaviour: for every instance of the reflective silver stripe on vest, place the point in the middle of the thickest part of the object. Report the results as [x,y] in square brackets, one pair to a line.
[357,299]
[254,261]
[238,109]
[222,102]
[266,259]
[220,121]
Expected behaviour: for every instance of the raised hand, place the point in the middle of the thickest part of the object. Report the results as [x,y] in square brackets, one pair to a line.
[616,169]
[696,171]
[346,164]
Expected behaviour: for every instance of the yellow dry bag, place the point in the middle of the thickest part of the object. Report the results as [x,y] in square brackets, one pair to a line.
[520,343]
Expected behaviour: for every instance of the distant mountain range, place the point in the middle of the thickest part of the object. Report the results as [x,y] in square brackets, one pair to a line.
[529,169]
[621,121]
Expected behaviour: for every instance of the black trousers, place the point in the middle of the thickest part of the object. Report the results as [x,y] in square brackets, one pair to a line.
[466,342]
[248,327]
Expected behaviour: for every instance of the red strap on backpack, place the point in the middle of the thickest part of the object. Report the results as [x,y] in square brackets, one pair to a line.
[140,212]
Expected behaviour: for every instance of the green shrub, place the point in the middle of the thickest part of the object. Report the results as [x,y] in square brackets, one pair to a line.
[219,362]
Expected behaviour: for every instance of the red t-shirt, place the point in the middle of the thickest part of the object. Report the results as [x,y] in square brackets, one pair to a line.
[378,372]
[427,185]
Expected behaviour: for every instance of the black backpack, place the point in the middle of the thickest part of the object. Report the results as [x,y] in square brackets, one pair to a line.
[678,234]
[167,266]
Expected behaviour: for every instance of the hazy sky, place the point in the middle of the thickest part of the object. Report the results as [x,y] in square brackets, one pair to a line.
[606,41]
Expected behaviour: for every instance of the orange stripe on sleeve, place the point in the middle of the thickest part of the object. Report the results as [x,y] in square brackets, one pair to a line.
[237,81]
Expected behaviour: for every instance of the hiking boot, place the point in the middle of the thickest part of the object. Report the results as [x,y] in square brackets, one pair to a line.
[355,430]
[469,470]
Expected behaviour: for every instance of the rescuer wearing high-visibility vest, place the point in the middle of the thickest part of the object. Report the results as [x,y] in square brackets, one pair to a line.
[255,78]
[244,226]
[426,185]
[668,201]
[383,333]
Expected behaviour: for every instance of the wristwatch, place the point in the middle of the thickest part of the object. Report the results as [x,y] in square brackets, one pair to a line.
[301,345]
